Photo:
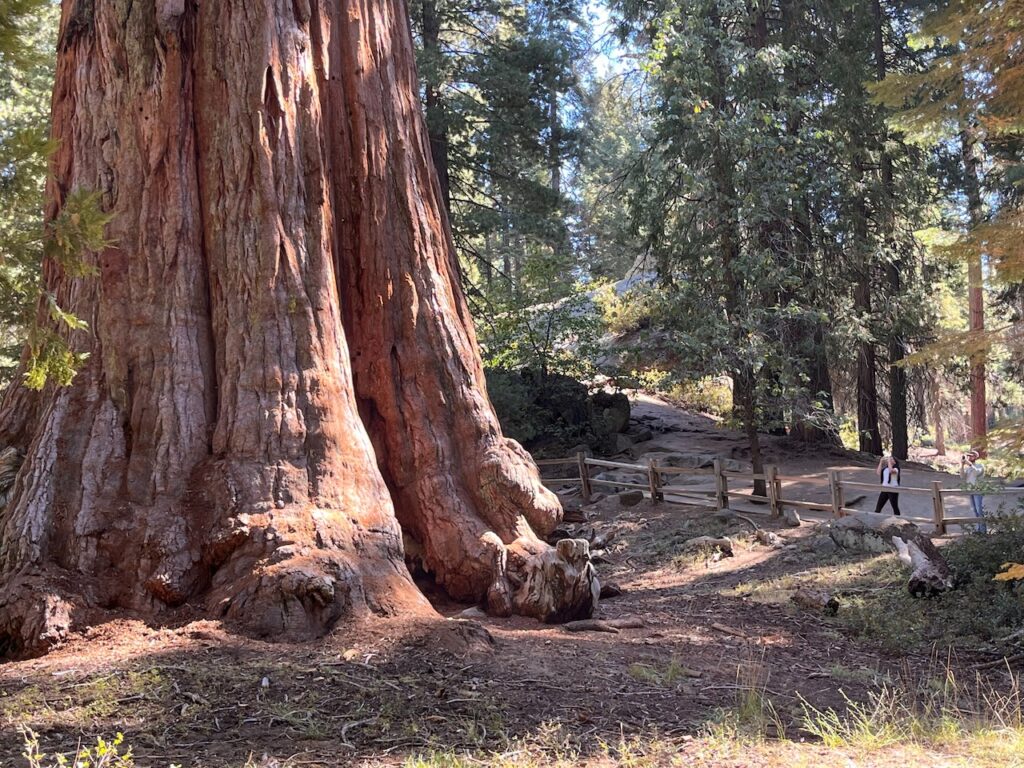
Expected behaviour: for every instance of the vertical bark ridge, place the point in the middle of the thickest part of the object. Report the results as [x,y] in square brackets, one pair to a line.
[296,456]
[462,490]
[109,452]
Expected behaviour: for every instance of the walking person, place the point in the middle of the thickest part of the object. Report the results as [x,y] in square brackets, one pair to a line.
[972,470]
[888,472]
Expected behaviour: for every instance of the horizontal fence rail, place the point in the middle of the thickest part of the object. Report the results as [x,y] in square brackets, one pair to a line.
[657,485]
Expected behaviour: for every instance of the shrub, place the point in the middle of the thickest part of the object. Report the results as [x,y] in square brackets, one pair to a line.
[623,313]
[708,395]
[106,754]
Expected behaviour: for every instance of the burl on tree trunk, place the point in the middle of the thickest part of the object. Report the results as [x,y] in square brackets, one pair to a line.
[280,355]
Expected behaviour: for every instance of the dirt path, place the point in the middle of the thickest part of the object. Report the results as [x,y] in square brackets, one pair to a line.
[678,431]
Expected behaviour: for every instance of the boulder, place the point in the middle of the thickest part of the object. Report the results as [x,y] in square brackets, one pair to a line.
[630,498]
[823,546]
[611,412]
[610,590]
[692,460]
[643,436]
[791,518]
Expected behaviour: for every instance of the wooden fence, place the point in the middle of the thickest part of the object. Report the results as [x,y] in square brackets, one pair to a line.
[657,485]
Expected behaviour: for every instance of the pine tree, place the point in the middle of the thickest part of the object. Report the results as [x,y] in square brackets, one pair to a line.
[972,93]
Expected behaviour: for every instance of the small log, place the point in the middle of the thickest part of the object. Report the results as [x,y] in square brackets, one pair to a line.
[816,600]
[725,629]
[590,625]
[723,544]
[868,532]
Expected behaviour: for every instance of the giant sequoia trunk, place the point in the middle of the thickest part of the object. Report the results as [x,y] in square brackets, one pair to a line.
[280,301]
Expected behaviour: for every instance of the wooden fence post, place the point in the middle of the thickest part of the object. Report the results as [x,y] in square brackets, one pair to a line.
[771,475]
[836,485]
[939,512]
[652,480]
[721,487]
[581,459]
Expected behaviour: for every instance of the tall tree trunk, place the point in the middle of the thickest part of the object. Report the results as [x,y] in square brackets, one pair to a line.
[867,387]
[975,288]
[437,120]
[937,407]
[262,164]
[870,436]
[896,265]
[728,235]
[555,142]
[808,331]
[811,338]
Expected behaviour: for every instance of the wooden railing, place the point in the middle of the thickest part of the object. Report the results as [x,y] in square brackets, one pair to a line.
[657,485]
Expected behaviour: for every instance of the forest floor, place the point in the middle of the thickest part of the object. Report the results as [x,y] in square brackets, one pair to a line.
[726,670]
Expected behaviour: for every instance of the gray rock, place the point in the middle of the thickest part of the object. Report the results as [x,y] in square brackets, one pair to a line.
[472,613]
[630,498]
[612,410]
[791,518]
[824,546]
[691,460]
[643,436]
[622,443]
[610,590]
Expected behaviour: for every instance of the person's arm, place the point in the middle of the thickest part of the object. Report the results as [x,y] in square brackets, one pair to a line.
[878,469]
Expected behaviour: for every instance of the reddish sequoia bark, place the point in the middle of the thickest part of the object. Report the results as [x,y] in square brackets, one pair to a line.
[255,157]
[471,498]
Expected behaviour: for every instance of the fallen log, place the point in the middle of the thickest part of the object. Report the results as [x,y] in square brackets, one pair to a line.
[603,625]
[723,544]
[816,600]
[870,532]
[589,625]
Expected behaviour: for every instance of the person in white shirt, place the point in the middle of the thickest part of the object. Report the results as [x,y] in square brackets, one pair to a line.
[972,470]
[888,472]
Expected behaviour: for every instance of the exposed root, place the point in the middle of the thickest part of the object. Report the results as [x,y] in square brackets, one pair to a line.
[33,616]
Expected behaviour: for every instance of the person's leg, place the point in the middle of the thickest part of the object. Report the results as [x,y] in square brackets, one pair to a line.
[978,505]
[894,499]
[880,503]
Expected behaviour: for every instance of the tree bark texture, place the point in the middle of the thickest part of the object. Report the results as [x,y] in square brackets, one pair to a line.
[975,288]
[281,296]
[437,119]
[867,383]
[894,269]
